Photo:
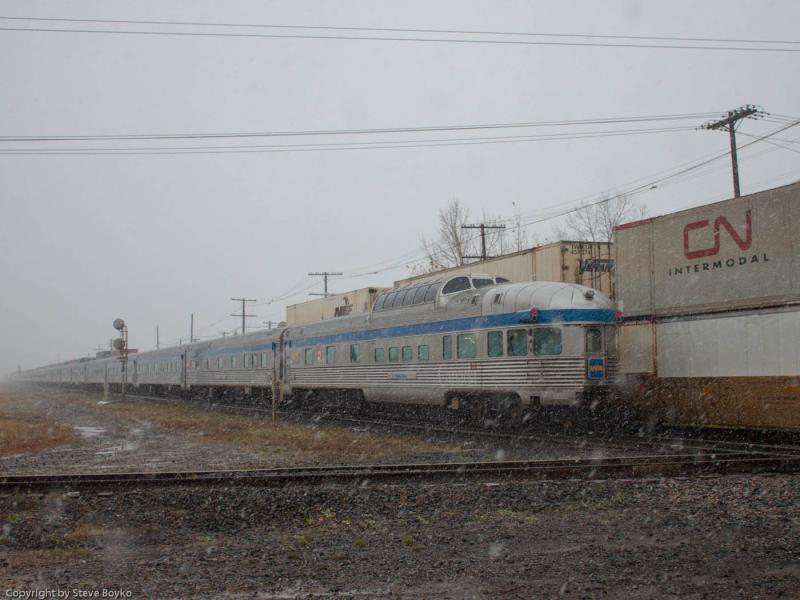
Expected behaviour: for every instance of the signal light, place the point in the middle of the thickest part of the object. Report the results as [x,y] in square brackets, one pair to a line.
[618,315]
[534,315]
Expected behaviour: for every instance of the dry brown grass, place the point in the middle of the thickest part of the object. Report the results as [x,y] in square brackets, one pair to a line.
[19,434]
[321,444]
[24,429]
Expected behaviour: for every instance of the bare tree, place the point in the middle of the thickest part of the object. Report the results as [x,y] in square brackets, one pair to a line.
[595,221]
[452,243]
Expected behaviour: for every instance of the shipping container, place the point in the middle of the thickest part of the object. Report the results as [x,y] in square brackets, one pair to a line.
[736,254]
[586,263]
[335,305]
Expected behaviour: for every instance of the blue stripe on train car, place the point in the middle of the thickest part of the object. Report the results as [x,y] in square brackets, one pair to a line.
[571,315]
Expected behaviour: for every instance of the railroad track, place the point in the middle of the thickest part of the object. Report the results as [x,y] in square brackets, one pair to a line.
[659,466]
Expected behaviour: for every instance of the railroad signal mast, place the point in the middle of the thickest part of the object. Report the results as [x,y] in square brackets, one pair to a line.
[121,345]
[748,111]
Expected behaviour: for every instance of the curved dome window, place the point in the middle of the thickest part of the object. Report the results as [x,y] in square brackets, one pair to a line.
[457,284]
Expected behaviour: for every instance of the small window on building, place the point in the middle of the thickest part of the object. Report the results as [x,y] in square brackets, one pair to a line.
[380,355]
[494,343]
[456,285]
[518,342]
[309,356]
[594,340]
[394,354]
[423,352]
[547,341]
[330,355]
[466,345]
[447,347]
[408,353]
[355,353]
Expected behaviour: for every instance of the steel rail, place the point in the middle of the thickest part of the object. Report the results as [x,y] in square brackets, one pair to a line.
[584,469]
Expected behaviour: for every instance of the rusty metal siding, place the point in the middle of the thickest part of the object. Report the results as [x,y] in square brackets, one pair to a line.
[739,253]
[336,305]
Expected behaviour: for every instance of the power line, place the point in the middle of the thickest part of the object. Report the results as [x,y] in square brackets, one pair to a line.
[339,146]
[401,30]
[399,143]
[369,131]
[451,40]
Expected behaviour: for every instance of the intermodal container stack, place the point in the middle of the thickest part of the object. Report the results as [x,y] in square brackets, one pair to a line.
[711,304]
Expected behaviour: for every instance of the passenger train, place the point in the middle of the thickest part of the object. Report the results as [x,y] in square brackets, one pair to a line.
[470,343]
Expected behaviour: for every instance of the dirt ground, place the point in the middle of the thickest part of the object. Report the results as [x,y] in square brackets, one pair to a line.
[722,537]
[728,537]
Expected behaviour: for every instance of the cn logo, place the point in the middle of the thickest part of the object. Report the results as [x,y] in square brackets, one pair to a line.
[719,222]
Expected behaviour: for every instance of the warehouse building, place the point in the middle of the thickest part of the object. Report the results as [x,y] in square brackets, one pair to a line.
[711,303]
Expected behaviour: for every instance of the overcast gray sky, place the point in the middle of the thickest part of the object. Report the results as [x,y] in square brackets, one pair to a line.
[154,237]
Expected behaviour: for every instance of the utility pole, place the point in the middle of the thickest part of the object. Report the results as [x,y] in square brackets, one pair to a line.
[728,123]
[158,342]
[191,329]
[243,314]
[483,227]
[324,275]
[268,324]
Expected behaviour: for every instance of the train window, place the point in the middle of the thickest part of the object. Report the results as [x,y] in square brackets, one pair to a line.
[494,343]
[419,296]
[309,356]
[547,340]
[390,300]
[219,362]
[408,353]
[430,294]
[233,362]
[447,347]
[457,284]
[264,360]
[479,283]
[380,302]
[398,299]
[394,354]
[498,298]
[355,353]
[594,340]
[409,297]
[501,280]
[466,345]
[205,366]
[330,355]
[379,355]
[423,352]
[518,342]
